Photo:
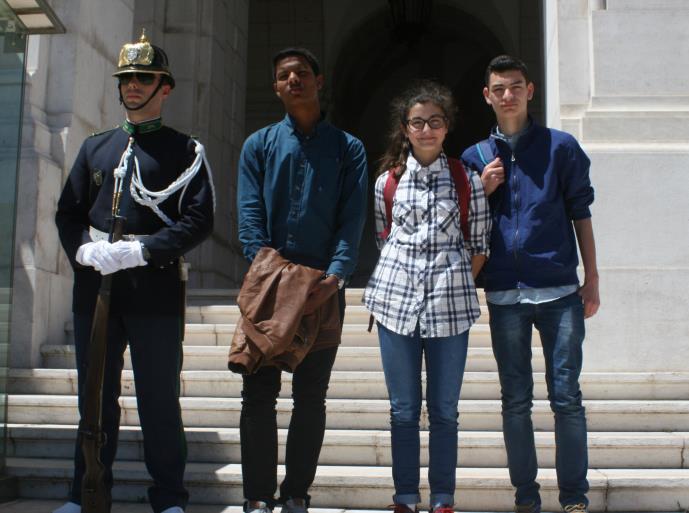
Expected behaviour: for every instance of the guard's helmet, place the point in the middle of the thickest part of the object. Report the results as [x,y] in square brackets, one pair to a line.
[143,57]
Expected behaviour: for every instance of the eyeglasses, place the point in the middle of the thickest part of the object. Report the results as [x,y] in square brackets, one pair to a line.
[143,78]
[434,123]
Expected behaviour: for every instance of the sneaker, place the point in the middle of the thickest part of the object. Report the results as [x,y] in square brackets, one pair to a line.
[442,508]
[69,507]
[173,509]
[256,507]
[575,508]
[529,507]
[294,505]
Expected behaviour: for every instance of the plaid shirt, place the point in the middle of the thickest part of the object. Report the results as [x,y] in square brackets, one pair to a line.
[423,275]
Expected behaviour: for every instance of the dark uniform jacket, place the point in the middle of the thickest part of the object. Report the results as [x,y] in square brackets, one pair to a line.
[86,200]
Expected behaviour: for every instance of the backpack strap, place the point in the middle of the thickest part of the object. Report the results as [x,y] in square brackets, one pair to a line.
[485,152]
[391,184]
[461,180]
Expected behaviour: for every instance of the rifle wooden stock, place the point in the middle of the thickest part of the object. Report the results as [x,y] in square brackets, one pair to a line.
[95,496]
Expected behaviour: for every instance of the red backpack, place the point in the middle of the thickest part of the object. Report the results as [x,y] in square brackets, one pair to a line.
[459,177]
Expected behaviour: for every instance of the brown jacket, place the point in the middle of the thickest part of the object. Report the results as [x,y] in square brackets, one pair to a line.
[272,329]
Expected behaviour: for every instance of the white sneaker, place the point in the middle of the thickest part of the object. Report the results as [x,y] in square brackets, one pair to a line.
[261,507]
[68,507]
[173,509]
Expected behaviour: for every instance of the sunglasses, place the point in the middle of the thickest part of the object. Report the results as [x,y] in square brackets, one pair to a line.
[143,78]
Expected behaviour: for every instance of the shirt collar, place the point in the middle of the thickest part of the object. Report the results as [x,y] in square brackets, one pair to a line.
[291,124]
[436,166]
[512,140]
[145,127]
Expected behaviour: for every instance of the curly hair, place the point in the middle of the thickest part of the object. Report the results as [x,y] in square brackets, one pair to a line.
[422,91]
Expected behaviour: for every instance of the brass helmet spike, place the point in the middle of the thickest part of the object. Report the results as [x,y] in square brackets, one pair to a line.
[143,38]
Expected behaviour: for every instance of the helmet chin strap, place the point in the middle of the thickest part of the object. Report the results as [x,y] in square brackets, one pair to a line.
[155,91]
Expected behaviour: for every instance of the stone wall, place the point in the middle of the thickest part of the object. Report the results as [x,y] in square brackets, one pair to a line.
[623,93]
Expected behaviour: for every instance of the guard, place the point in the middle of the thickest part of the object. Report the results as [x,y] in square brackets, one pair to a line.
[167,202]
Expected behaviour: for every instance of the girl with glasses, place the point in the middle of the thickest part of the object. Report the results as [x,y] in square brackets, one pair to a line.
[422,290]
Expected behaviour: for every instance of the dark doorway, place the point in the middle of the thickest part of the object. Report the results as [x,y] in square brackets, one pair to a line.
[376,63]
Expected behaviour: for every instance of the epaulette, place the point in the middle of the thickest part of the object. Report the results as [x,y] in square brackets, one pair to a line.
[94,134]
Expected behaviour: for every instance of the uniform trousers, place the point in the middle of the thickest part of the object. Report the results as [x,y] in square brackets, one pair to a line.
[156,355]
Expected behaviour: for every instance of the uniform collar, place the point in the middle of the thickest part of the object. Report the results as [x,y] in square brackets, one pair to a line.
[144,127]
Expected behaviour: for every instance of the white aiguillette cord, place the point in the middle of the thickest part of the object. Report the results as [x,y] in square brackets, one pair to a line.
[120,172]
[152,199]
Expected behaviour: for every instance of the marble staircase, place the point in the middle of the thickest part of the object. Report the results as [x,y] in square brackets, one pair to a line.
[638,422]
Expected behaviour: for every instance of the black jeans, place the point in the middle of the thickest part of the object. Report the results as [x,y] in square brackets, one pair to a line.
[258,428]
[156,353]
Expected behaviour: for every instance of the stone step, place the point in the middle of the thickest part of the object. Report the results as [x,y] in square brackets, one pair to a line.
[479,359]
[47,505]
[371,384]
[200,297]
[229,314]
[369,447]
[474,415]
[353,335]
[478,489]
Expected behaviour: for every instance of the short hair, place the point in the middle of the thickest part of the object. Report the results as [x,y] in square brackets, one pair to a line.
[506,63]
[295,51]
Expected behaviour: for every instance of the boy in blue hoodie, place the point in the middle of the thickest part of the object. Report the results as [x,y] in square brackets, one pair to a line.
[538,187]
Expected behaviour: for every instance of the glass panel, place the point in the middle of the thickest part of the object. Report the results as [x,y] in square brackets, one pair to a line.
[12,49]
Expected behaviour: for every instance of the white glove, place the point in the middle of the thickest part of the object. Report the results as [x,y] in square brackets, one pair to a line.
[129,254]
[100,255]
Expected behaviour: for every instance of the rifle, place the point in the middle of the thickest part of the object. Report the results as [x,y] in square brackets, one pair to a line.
[95,496]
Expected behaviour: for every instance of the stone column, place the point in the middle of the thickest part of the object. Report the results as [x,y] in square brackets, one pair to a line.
[206,41]
[624,70]
[69,94]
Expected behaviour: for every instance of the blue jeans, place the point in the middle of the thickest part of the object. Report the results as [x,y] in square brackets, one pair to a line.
[561,326]
[445,360]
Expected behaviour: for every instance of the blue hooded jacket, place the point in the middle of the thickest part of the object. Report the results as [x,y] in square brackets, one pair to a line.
[546,187]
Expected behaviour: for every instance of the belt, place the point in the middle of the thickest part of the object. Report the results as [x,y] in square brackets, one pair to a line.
[97,235]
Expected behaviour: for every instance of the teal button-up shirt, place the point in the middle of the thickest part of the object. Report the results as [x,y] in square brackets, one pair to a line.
[304,195]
